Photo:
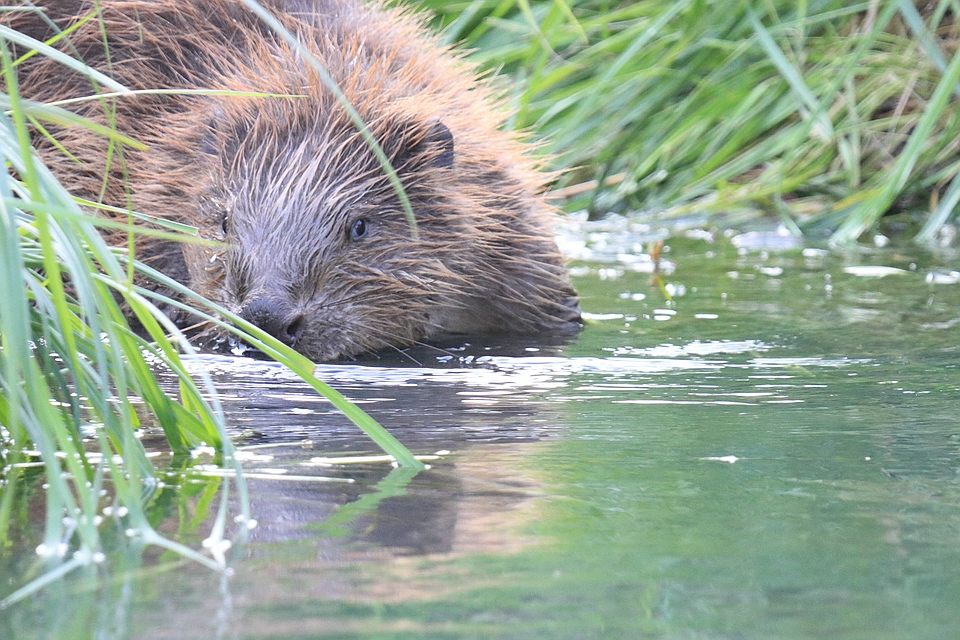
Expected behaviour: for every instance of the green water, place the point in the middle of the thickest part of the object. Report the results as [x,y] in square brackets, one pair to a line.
[771,454]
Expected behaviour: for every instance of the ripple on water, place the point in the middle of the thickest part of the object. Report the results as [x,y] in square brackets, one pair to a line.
[492,384]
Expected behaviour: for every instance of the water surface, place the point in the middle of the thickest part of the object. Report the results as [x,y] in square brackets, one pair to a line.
[760,441]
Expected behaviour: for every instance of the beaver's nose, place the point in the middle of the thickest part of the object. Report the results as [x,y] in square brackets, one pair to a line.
[274,317]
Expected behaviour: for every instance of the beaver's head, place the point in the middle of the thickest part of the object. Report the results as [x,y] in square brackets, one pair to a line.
[320,253]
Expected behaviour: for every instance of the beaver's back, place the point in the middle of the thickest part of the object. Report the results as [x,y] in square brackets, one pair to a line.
[282,178]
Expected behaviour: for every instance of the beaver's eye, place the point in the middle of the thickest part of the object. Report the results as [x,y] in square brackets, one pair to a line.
[224,224]
[359,229]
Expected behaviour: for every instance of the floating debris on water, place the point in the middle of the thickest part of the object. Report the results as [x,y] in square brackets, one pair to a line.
[937,277]
[730,459]
[870,271]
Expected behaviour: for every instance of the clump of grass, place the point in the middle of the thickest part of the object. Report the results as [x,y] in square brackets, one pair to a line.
[826,113]
[71,369]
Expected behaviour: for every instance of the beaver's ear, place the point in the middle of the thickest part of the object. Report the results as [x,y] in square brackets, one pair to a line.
[428,146]
[439,138]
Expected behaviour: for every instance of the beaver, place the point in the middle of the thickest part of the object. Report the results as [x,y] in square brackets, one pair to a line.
[314,247]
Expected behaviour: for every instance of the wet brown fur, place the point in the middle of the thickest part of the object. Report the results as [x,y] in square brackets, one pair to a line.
[291,175]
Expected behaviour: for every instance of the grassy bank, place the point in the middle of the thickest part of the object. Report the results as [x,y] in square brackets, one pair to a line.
[828,114]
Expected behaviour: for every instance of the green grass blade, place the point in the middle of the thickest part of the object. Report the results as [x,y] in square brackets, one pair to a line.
[792,76]
[945,208]
[894,180]
[26,41]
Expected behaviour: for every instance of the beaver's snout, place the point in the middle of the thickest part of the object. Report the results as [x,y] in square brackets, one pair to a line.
[276,318]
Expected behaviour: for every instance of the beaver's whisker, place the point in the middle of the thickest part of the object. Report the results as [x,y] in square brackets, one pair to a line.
[403,353]
[416,343]
[203,323]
